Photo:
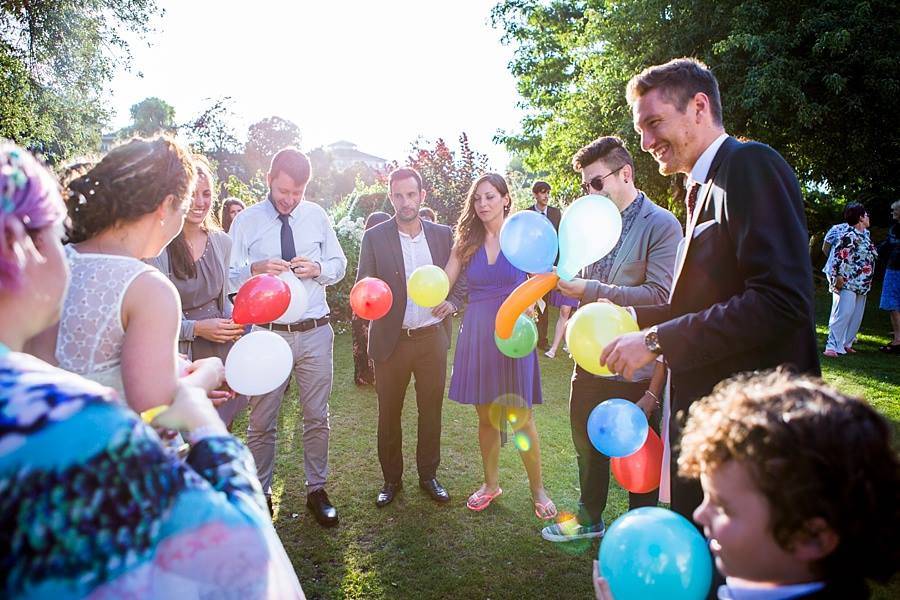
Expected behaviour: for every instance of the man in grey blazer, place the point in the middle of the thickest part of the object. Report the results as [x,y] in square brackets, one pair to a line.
[409,340]
[638,269]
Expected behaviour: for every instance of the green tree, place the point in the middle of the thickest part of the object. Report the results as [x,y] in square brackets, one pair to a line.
[447,177]
[151,116]
[266,137]
[60,55]
[211,132]
[814,79]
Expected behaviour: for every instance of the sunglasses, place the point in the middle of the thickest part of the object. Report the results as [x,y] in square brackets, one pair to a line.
[597,182]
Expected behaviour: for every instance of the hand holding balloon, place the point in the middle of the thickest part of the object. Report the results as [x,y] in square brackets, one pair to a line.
[190,410]
[626,354]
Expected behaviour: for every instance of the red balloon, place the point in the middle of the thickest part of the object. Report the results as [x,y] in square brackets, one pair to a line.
[371,298]
[262,299]
[639,472]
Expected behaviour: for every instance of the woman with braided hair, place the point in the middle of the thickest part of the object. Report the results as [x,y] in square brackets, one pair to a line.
[120,319]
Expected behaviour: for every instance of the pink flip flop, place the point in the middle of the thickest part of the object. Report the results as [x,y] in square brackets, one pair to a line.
[481,500]
[543,511]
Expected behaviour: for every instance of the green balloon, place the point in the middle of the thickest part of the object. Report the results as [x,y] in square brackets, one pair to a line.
[523,340]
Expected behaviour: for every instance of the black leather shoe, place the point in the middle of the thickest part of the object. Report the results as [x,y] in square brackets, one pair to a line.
[318,502]
[435,490]
[388,493]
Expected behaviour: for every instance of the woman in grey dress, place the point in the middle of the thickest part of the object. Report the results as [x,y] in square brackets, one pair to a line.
[196,261]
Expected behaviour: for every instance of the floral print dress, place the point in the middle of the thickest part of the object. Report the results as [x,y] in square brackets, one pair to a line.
[92,505]
[854,260]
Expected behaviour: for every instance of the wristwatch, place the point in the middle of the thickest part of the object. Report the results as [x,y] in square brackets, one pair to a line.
[651,339]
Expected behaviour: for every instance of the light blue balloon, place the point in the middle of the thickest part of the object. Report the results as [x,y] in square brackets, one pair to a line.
[652,552]
[528,241]
[588,231]
[617,427]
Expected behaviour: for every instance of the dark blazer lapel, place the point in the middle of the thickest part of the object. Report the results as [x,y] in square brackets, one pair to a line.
[633,235]
[724,150]
[393,242]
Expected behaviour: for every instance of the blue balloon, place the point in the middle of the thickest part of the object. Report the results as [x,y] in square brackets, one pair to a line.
[617,427]
[652,552]
[588,231]
[528,241]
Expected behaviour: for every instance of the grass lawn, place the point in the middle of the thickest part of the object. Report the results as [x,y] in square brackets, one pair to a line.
[415,548]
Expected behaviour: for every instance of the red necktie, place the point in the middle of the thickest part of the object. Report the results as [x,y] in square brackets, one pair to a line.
[692,200]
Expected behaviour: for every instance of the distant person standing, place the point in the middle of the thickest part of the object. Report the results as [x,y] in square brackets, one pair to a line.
[541,192]
[428,214]
[889,250]
[850,275]
[282,234]
[230,209]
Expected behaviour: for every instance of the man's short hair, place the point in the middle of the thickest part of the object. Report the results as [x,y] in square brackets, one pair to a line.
[540,186]
[853,212]
[610,149]
[812,452]
[404,173]
[292,163]
[679,80]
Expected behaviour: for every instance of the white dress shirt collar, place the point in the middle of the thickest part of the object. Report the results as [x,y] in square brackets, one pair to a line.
[700,170]
[735,589]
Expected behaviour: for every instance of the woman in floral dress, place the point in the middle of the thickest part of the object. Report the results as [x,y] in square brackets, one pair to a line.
[850,279]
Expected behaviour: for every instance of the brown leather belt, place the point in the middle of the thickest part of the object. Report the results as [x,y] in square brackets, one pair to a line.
[300,326]
[420,331]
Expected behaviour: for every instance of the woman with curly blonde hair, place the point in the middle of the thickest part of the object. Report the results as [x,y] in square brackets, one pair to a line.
[502,389]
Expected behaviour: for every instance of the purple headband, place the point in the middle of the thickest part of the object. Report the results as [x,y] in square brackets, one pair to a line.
[29,194]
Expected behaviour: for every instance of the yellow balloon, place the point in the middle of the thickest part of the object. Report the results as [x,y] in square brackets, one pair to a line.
[428,286]
[150,414]
[591,328]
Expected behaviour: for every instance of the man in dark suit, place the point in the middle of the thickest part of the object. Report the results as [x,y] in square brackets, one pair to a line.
[409,339]
[541,192]
[742,297]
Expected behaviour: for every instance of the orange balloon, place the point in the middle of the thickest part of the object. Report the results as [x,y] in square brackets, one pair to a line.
[521,298]
[639,472]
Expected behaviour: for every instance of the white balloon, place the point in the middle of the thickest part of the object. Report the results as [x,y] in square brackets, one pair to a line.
[258,363]
[299,299]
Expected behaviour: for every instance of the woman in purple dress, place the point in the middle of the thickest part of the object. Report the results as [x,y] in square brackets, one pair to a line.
[502,389]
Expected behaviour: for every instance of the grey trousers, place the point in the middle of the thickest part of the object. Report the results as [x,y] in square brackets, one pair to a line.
[313,373]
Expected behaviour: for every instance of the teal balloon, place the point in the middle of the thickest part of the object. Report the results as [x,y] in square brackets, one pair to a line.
[523,340]
[652,552]
[588,231]
[529,242]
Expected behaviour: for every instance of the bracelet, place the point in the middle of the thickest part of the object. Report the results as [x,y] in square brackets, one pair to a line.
[652,395]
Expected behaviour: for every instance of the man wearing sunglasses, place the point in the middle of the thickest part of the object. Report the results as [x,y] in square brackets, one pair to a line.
[638,270]
[541,192]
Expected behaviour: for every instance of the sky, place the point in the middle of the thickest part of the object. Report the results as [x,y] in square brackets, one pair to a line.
[379,74]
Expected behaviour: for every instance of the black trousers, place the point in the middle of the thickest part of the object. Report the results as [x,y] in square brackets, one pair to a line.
[593,467]
[424,356]
[543,322]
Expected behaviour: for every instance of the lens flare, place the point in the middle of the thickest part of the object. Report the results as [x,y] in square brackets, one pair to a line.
[522,441]
[510,412]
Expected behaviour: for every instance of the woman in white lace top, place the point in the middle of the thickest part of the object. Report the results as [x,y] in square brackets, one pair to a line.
[120,317]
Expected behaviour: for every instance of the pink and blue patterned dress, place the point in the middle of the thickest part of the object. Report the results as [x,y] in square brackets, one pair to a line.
[92,505]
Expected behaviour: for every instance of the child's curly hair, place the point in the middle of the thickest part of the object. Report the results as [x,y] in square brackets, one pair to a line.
[812,452]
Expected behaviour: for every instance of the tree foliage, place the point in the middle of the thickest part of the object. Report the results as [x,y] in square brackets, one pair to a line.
[266,137]
[447,177]
[60,55]
[149,117]
[814,79]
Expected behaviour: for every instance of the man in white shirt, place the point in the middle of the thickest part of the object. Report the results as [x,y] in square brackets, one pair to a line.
[284,233]
[409,340]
